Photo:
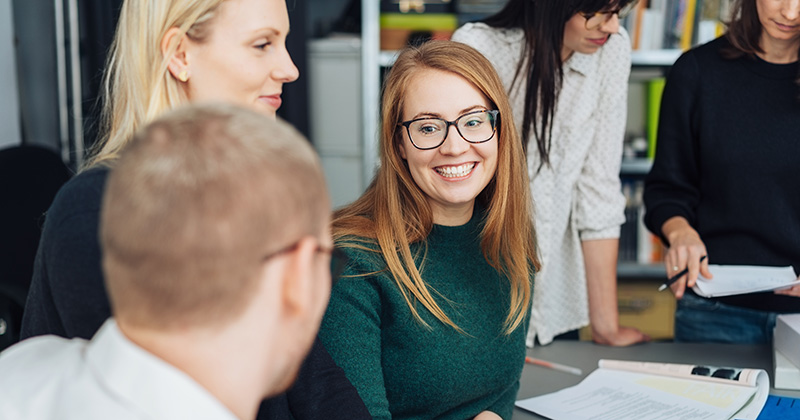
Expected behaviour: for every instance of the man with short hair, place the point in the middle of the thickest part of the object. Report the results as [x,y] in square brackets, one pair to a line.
[216,253]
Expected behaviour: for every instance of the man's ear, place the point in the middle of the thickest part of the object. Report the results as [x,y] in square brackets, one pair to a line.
[173,49]
[297,282]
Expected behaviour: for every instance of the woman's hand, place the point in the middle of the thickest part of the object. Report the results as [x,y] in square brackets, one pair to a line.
[685,250]
[487,415]
[792,291]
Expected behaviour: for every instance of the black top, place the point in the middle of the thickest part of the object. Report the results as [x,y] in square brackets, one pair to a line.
[68,298]
[727,161]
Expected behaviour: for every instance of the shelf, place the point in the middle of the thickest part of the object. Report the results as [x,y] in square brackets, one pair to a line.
[655,58]
[635,166]
[630,270]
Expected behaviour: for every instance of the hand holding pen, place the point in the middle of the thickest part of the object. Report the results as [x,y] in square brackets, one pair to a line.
[677,276]
[686,258]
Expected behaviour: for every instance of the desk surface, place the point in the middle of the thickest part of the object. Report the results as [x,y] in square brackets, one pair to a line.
[537,380]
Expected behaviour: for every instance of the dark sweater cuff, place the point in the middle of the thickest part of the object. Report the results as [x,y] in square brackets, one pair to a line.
[655,218]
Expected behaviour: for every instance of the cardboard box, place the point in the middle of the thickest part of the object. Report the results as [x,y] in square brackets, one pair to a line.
[642,306]
[787,337]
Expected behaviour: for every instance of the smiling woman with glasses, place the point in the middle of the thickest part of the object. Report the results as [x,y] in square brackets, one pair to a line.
[565,64]
[429,317]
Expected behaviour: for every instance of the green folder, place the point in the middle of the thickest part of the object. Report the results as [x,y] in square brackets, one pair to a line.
[655,88]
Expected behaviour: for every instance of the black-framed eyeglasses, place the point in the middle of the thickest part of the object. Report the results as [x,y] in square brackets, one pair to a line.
[338,258]
[474,127]
[597,19]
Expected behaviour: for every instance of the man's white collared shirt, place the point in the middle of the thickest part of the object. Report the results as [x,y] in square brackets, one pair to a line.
[109,377]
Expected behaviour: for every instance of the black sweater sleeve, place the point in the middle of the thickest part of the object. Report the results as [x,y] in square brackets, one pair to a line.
[672,186]
[67,295]
[323,392]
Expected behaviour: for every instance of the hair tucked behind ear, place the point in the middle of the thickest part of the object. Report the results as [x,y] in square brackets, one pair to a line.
[541,66]
[394,212]
[137,87]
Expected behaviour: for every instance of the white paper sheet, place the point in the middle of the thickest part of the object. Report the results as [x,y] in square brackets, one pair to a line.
[740,279]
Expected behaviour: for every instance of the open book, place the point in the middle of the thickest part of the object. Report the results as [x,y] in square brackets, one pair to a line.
[623,390]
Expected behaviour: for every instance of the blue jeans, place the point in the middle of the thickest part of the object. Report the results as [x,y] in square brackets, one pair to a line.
[702,320]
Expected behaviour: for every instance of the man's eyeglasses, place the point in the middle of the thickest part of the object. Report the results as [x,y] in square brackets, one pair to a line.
[597,19]
[338,258]
[430,133]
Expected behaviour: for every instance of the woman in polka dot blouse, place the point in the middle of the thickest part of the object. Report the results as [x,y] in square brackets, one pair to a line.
[566,66]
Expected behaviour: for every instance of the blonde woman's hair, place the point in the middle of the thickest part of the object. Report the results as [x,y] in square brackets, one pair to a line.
[137,87]
[394,213]
[193,206]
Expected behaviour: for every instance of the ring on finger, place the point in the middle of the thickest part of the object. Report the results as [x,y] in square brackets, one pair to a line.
[675,268]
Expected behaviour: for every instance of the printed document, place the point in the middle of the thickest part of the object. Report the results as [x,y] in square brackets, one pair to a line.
[622,390]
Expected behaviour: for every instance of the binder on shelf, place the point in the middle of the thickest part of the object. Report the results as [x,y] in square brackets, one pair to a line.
[688,24]
[655,89]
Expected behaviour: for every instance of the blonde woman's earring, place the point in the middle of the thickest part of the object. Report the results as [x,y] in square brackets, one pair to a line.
[183,76]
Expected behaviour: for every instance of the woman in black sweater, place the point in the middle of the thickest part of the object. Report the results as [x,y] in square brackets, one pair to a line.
[724,182]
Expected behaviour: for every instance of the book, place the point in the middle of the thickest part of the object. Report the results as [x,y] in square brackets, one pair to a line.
[687,34]
[741,279]
[626,390]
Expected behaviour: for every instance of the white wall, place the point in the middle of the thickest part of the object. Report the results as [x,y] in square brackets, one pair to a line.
[334,74]
[9,97]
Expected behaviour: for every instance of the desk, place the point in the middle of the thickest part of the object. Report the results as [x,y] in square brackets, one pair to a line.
[537,380]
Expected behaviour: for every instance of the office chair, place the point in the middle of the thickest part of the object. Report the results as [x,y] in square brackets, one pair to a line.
[30,176]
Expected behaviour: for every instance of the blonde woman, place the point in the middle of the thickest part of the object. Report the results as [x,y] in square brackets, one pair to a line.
[429,318]
[165,54]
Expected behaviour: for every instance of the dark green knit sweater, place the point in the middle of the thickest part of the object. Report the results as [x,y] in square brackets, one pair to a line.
[403,370]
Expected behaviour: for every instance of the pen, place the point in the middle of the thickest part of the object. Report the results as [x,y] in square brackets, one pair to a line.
[554,366]
[675,278]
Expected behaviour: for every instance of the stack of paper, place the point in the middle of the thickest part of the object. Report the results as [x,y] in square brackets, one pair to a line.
[787,351]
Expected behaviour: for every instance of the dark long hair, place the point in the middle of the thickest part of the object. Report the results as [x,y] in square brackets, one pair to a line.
[541,65]
[744,32]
